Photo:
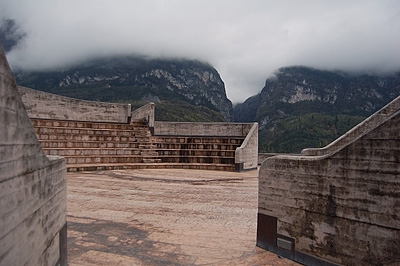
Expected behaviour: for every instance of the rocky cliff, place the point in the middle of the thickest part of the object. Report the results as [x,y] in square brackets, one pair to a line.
[301,107]
[137,79]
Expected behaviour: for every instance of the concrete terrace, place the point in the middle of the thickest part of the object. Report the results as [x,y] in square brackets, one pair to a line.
[164,217]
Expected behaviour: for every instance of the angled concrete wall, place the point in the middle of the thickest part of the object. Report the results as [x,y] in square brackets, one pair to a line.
[246,156]
[32,187]
[146,112]
[338,208]
[45,105]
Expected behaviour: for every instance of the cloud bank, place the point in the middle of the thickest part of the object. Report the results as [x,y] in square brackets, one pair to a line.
[244,40]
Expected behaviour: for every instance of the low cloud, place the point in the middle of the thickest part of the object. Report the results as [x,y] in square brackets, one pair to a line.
[244,40]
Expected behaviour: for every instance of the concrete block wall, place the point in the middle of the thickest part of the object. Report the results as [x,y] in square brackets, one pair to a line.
[32,187]
[341,208]
[45,105]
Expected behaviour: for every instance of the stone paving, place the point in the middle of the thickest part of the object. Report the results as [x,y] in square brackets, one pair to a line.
[164,217]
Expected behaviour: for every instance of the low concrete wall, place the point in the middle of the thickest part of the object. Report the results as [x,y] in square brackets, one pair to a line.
[246,156]
[32,190]
[145,112]
[342,208]
[45,105]
[201,129]
[264,156]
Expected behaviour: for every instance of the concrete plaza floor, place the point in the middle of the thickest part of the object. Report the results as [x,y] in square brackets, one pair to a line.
[164,217]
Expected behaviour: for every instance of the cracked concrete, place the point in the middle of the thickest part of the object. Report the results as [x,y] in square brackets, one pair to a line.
[164,217]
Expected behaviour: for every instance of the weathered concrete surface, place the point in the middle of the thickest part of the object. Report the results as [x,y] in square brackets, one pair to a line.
[45,105]
[147,112]
[201,129]
[342,207]
[32,187]
[246,156]
[164,217]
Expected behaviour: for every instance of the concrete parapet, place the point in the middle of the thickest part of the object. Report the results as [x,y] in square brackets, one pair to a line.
[45,105]
[33,187]
[246,156]
[145,112]
[341,208]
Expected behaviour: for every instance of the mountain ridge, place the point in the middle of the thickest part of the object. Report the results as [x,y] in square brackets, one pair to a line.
[137,79]
[313,107]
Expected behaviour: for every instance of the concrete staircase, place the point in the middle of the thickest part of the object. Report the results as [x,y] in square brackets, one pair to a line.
[106,146]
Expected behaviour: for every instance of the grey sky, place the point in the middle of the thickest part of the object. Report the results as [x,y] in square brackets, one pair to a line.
[244,40]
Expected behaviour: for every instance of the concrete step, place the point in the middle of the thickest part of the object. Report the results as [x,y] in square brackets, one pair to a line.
[198,140]
[149,145]
[81,124]
[198,146]
[89,131]
[76,138]
[148,160]
[197,159]
[197,152]
[92,151]
[101,159]
[103,151]
[106,167]
[89,144]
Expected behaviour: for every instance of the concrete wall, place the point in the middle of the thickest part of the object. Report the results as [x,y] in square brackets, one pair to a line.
[201,129]
[32,187]
[45,105]
[264,156]
[147,112]
[246,156]
[340,208]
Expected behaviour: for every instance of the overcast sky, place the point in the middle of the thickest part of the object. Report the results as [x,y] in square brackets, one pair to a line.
[245,40]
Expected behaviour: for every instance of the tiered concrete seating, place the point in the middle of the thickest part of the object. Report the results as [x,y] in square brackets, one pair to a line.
[218,152]
[105,146]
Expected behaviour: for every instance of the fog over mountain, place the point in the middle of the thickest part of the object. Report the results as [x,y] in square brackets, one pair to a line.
[246,41]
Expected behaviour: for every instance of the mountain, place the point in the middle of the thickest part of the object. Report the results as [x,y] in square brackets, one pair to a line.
[302,107]
[183,90]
